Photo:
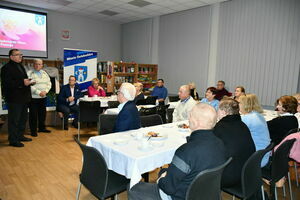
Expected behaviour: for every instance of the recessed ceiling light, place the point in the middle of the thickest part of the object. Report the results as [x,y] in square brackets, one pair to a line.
[108,12]
[139,3]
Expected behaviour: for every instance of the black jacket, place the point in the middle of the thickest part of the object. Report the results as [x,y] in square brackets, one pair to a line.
[128,118]
[12,81]
[202,151]
[139,97]
[239,144]
[280,126]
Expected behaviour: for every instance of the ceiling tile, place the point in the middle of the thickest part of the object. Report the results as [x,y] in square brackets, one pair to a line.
[77,5]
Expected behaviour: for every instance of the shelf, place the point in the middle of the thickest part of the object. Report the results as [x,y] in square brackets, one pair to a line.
[141,73]
[123,74]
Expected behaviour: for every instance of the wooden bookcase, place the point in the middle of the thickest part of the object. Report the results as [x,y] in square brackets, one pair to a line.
[113,74]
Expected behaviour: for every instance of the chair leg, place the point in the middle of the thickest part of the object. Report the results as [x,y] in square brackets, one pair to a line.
[63,123]
[290,186]
[262,192]
[78,191]
[283,190]
[296,173]
[78,130]
[275,192]
[233,197]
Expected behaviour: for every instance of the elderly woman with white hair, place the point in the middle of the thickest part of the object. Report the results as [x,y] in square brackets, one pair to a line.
[37,107]
[128,117]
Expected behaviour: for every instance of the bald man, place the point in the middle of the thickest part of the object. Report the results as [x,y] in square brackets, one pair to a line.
[128,117]
[185,105]
[202,151]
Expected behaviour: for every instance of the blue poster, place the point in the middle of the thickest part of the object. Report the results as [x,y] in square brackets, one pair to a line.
[82,64]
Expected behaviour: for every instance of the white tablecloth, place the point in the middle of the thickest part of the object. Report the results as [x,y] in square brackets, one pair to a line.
[270,114]
[131,162]
[103,100]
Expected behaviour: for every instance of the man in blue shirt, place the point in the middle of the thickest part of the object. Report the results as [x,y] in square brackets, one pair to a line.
[160,91]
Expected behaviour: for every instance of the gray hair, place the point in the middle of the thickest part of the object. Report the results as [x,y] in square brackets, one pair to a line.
[128,90]
[37,60]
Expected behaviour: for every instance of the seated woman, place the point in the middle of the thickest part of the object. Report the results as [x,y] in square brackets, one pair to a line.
[210,97]
[139,91]
[239,91]
[251,115]
[280,126]
[95,89]
[297,96]
[193,91]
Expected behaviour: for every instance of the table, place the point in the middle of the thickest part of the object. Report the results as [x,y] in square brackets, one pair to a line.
[129,160]
[103,100]
[270,114]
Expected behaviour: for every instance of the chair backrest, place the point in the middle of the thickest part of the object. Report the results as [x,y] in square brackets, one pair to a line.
[151,100]
[113,104]
[170,114]
[141,102]
[151,120]
[147,111]
[89,111]
[251,175]
[106,123]
[162,111]
[108,94]
[207,184]
[94,173]
[280,160]
[174,98]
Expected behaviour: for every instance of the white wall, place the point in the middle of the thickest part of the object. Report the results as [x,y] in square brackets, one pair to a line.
[86,33]
[259,46]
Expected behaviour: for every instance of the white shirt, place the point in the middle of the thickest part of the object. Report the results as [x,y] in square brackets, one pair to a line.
[183,108]
[72,94]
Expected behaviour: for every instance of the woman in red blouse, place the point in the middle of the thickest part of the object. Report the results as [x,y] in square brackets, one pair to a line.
[95,89]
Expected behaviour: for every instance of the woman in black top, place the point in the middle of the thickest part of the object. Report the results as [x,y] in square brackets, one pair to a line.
[193,91]
[139,92]
[280,126]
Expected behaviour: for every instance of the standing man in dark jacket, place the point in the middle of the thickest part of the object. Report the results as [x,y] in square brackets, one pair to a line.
[128,117]
[16,90]
[237,140]
[67,101]
[202,151]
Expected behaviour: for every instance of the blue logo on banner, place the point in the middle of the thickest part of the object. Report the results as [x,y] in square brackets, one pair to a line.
[80,73]
[40,19]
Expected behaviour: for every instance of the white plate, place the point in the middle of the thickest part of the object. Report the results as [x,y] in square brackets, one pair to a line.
[145,149]
[120,142]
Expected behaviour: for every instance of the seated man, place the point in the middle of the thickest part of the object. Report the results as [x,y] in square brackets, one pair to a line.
[185,105]
[237,140]
[221,91]
[202,151]
[160,91]
[67,101]
[128,117]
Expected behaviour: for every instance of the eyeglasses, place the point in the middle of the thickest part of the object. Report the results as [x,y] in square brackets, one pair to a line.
[18,54]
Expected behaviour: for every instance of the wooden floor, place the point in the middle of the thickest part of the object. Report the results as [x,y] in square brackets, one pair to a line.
[48,168]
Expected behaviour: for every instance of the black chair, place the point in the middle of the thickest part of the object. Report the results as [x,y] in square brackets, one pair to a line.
[206,185]
[162,111]
[174,98]
[141,102]
[251,178]
[88,112]
[170,115]
[106,123]
[113,104]
[151,120]
[151,100]
[279,167]
[108,94]
[147,111]
[96,177]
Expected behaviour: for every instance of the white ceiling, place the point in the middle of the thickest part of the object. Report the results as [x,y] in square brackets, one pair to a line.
[126,12]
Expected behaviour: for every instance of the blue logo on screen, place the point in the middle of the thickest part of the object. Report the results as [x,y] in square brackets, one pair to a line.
[40,19]
[80,73]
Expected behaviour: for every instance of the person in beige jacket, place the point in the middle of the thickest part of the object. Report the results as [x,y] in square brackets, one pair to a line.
[39,90]
[185,104]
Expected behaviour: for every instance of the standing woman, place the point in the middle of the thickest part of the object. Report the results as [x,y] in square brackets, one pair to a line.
[37,107]
[239,91]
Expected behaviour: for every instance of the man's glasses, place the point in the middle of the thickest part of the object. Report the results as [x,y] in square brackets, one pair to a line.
[18,54]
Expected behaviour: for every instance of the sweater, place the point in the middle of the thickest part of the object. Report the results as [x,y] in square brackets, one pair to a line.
[94,92]
[43,83]
[183,109]
[259,131]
